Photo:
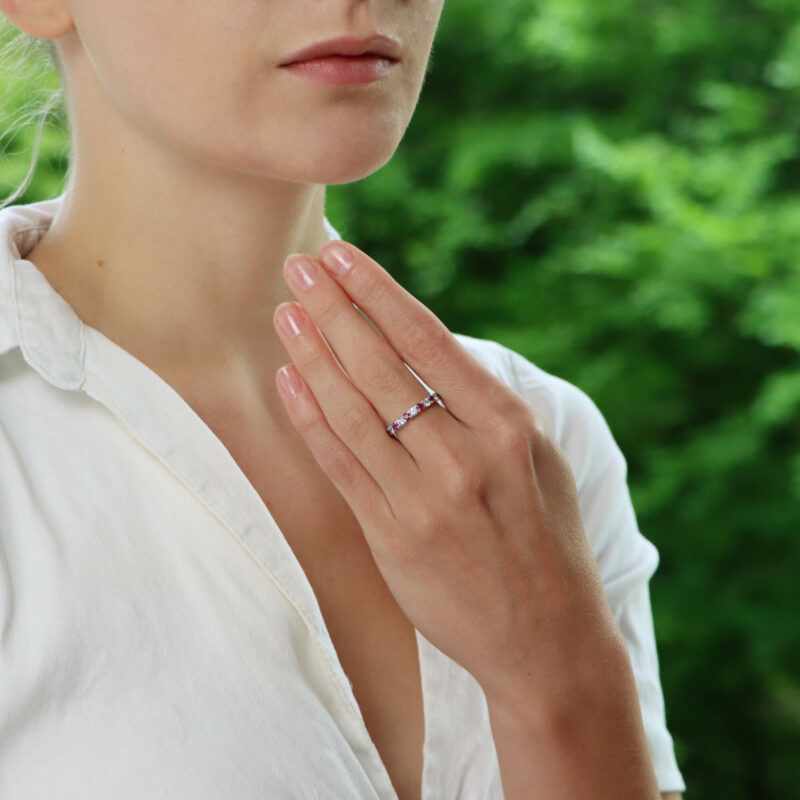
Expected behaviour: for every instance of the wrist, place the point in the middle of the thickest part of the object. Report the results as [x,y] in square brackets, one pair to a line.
[580,736]
[546,695]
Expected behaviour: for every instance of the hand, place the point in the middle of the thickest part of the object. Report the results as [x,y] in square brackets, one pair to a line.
[472,513]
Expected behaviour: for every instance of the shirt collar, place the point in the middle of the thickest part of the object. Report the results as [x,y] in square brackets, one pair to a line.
[33,316]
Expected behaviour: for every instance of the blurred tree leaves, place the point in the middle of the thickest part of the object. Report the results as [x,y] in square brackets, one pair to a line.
[612,189]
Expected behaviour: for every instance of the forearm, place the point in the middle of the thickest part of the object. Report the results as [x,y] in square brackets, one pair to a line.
[587,743]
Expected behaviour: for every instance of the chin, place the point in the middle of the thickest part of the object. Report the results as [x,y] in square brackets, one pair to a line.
[335,162]
[333,144]
[350,166]
[346,143]
[341,151]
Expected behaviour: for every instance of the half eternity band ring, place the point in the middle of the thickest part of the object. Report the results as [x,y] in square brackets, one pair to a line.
[417,408]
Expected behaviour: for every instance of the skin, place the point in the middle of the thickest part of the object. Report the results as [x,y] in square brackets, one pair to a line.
[220,156]
[490,560]
[198,167]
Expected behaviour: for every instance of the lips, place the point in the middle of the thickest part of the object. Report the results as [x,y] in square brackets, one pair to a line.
[343,70]
[377,46]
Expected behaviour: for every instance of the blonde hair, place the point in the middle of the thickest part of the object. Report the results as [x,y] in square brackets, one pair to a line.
[31,93]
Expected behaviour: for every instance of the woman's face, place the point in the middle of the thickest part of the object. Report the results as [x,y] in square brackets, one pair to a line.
[204,77]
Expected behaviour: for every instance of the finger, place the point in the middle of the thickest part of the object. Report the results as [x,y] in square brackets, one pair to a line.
[373,366]
[419,337]
[345,471]
[347,412]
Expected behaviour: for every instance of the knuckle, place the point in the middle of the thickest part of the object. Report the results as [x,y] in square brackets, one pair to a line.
[511,429]
[315,361]
[464,477]
[353,422]
[428,522]
[465,483]
[339,466]
[538,430]
[427,339]
[379,376]
[508,437]
[308,423]
[328,311]
[371,288]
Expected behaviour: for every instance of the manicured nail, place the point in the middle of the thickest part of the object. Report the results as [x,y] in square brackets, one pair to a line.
[290,380]
[301,271]
[337,259]
[291,319]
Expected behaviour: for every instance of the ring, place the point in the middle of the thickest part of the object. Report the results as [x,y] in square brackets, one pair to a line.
[412,412]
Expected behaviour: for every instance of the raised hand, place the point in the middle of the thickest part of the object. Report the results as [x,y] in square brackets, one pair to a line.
[471,513]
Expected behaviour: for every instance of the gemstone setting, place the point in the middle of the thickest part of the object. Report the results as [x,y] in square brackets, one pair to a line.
[417,408]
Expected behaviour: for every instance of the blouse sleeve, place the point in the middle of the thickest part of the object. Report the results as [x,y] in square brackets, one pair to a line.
[626,559]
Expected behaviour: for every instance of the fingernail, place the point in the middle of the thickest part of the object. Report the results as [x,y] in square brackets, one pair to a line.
[337,259]
[301,271]
[290,318]
[290,380]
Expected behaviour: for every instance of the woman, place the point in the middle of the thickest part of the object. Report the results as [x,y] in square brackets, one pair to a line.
[226,575]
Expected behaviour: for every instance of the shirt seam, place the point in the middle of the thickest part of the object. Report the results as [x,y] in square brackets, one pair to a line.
[24,341]
[195,489]
[14,283]
[211,506]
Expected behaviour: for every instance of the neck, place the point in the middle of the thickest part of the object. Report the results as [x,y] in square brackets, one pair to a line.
[181,264]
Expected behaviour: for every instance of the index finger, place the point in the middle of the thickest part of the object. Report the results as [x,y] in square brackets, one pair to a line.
[419,337]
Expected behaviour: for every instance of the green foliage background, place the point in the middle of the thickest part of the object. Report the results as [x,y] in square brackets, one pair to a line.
[613,190]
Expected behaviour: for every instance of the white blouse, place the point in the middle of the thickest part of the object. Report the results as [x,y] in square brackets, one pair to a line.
[158,637]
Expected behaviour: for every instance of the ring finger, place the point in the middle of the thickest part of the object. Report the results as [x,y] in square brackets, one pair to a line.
[349,414]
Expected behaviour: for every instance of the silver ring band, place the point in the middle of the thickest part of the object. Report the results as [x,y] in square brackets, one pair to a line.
[412,412]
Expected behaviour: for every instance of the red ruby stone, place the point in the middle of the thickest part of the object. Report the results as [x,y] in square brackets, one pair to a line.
[395,425]
[420,406]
